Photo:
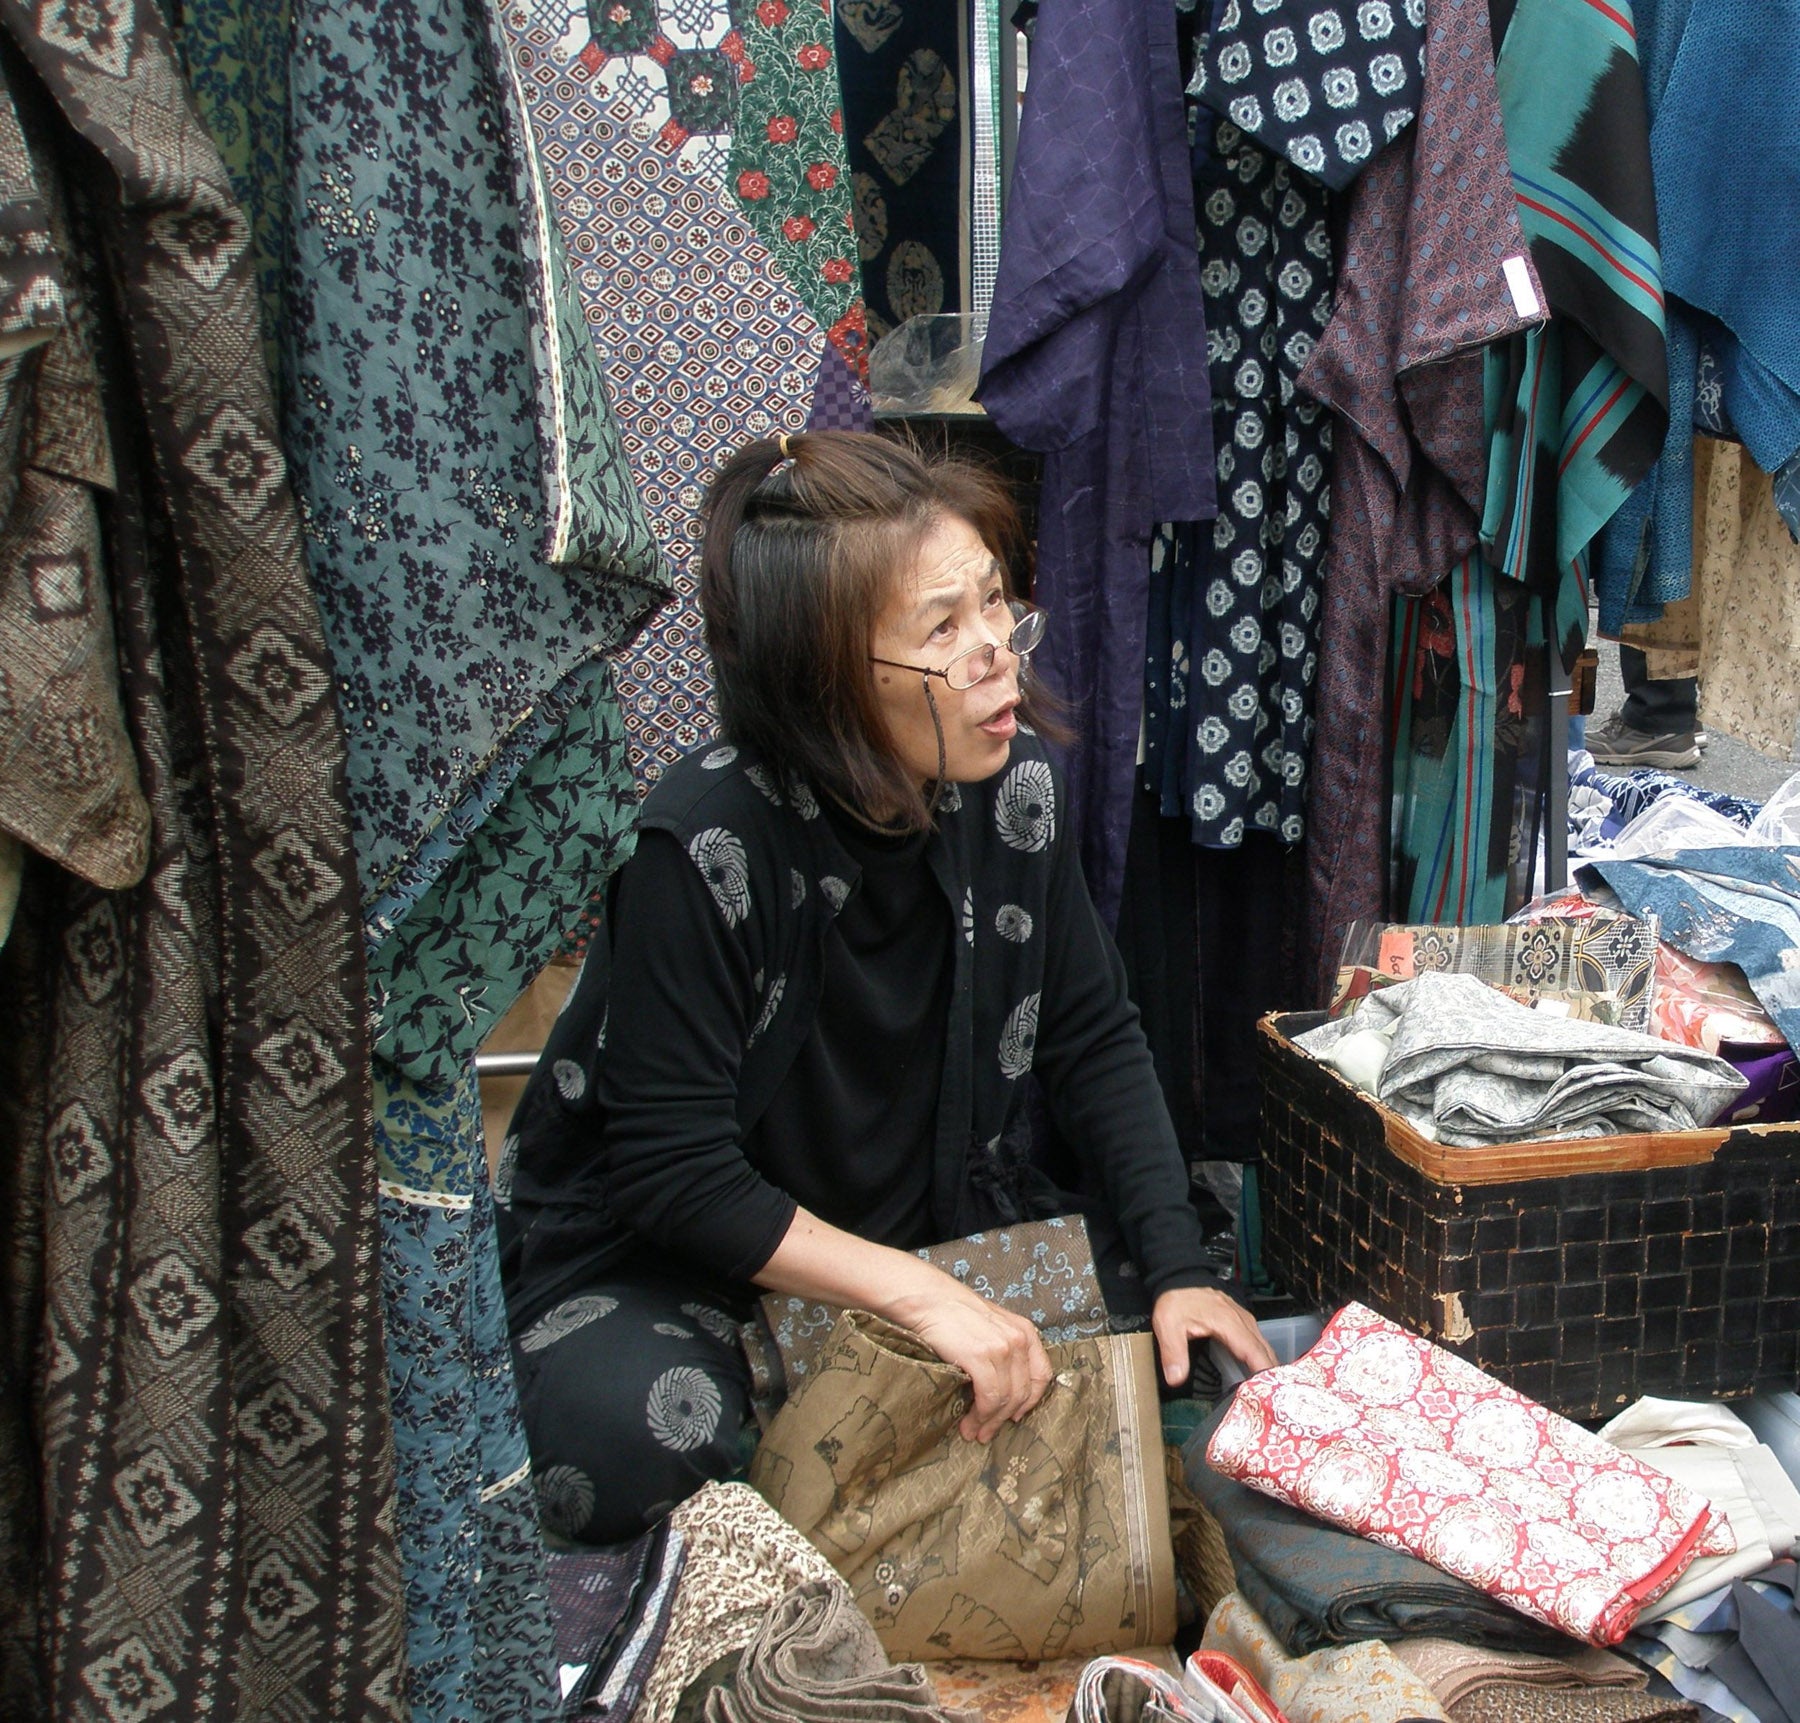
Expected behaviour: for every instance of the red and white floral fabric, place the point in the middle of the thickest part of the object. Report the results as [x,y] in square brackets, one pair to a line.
[1386,1435]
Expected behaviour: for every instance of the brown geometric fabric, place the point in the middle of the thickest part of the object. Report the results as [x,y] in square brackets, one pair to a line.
[68,781]
[198,1508]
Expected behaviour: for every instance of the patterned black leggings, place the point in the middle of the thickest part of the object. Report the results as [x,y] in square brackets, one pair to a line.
[635,1394]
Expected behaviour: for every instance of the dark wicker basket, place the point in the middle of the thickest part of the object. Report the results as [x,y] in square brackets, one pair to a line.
[1583,1274]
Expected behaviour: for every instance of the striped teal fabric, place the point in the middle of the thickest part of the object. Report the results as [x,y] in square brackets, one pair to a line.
[1576,410]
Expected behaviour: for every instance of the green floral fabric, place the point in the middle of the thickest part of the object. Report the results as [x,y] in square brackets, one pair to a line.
[787,163]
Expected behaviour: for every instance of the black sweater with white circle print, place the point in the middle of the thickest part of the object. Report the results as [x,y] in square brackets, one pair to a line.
[662,1124]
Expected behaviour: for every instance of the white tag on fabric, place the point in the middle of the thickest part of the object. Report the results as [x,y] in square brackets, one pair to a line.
[1518,281]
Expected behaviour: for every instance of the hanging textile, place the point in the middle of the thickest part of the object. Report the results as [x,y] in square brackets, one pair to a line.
[475,564]
[1095,355]
[988,100]
[469,559]
[1575,411]
[696,168]
[1719,78]
[1401,365]
[901,66]
[202,1516]
[1458,697]
[1324,93]
[1586,405]
[1744,611]
[1232,645]
[68,781]
[1711,419]
[479,1632]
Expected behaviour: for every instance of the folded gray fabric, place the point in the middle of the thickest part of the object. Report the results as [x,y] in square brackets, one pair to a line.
[1470,1067]
[816,1660]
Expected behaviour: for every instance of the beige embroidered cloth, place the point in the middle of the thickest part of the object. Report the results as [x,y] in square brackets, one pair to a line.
[741,1559]
[1050,1541]
[1744,615]
[1042,1270]
[1359,1683]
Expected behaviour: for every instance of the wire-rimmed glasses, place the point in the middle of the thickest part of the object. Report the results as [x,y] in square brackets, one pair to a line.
[967,669]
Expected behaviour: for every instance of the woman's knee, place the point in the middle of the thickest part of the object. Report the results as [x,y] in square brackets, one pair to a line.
[626,1420]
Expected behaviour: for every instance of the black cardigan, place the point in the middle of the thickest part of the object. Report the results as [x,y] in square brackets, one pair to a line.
[615,1161]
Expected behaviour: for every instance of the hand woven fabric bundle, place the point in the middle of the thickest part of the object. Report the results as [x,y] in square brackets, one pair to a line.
[1600,964]
[1362,1683]
[1050,1541]
[816,1659]
[1042,1270]
[1315,1585]
[1400,1441]
[1469,1067]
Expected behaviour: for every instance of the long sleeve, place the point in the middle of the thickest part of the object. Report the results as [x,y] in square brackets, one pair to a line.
[1103,1091]
[667,1076]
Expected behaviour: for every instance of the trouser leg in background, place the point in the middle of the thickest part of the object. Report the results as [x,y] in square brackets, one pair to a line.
[1666,708]
[635,1394]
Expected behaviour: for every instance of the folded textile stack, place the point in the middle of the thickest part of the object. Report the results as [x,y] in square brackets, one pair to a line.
[1713,1451]
[1360,1683]
[1315,1585]
[1213,1688]
[1469,1067]
[1388,1436]
[611,1611]
[1592,963]
[815,1659]
[1735,1651]
[740,1559]
[1469,1681]
[1719,905]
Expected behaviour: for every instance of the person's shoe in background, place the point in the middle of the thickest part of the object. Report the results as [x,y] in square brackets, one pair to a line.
[1615,743]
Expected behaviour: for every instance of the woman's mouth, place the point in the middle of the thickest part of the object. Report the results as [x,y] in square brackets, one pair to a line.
[1003,724]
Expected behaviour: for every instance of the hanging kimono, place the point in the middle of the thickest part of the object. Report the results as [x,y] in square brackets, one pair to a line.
[694,158]
[1234,607]
[196,1474]
[1095,355]
[1401,365]
[479,548]
[1724,149]
[901,73]
[1576,412]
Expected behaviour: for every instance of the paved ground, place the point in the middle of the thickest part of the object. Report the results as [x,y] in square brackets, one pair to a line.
[1725,764]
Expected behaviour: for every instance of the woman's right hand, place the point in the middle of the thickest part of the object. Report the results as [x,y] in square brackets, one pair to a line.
[1001,1354]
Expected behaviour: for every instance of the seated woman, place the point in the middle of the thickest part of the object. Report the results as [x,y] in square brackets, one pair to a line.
[851,927]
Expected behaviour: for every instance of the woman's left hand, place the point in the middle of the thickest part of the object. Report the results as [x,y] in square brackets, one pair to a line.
[1185,1314]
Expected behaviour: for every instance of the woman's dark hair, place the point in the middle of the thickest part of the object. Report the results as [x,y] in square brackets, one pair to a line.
[807,538]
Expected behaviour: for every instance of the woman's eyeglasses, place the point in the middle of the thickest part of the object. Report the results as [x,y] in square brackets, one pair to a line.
[966,669]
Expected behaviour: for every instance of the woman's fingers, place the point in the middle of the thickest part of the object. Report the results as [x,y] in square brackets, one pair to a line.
[1009,1377]
[1201,1313]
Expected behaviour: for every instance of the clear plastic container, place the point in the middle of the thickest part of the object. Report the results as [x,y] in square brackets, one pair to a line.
[1288,1337]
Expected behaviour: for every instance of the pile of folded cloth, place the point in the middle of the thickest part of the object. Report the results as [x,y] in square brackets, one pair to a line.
[1412,1539]
[1469,1067]
[724,1614]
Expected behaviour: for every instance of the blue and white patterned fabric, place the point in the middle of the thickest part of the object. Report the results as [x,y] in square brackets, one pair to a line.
[1737,906]
[1325,83]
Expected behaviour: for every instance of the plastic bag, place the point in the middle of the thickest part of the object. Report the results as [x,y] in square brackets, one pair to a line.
[1779,821]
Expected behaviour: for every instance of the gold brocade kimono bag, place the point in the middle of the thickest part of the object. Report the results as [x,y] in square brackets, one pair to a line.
[1051,1541]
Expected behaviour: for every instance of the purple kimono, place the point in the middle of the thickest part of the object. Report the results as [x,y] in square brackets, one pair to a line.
[1421,292]
[1096,356]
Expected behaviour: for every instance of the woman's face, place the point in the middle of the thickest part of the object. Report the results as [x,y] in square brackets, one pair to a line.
[951,600]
